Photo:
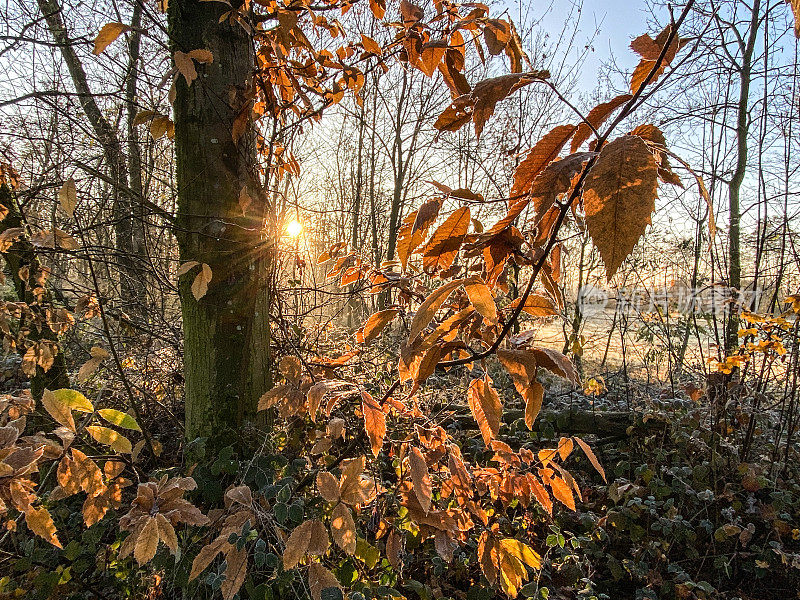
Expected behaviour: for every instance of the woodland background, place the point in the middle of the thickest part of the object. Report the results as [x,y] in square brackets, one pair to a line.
[292,299]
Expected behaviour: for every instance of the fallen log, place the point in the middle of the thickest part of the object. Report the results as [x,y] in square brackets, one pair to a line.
[576,422]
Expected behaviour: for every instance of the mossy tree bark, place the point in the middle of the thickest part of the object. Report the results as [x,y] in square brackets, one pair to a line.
[226,332]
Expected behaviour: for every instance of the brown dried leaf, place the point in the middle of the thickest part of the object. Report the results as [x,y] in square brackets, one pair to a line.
[201,281]
[167,533]
[420,478]
[540,493]
[319,539]
[486,409]
[597,117]
[619,198]
[68,196]
[235,572]
[58,410]
[206,555]
[350,483]
[378,8]
[428,308]
[592,458]
[441,249]
[394,549]
[185,66]
[481,298]
[375,324]
[297,544]
[374,421]
[562,492]
[795,4]
[542,154]
[343,528]
[487,93]
[522,366]
[537,305]
[556,363]
[320,578]
[146,542]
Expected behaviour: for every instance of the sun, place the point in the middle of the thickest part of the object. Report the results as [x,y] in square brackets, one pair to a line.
[294,228]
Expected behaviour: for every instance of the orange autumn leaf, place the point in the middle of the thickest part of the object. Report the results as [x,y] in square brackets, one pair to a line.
[374,421]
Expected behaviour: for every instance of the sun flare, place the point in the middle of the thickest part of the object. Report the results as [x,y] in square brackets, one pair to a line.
[294,228]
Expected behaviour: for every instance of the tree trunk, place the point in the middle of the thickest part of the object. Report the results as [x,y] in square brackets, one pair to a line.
[226,332]
[23,254]
[399,173]
[137,234]
[131,288]
[735,186]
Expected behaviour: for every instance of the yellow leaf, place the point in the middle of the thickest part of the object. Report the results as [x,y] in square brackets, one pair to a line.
[511,574]
[109,437]
[564,447]
[522,552]
[58,410]
[41,523]
[343,528]
[108,33]
[74,400]
[119,418]
[146,542]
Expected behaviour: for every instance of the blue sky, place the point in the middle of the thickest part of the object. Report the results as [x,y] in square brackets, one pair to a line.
[619,21]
